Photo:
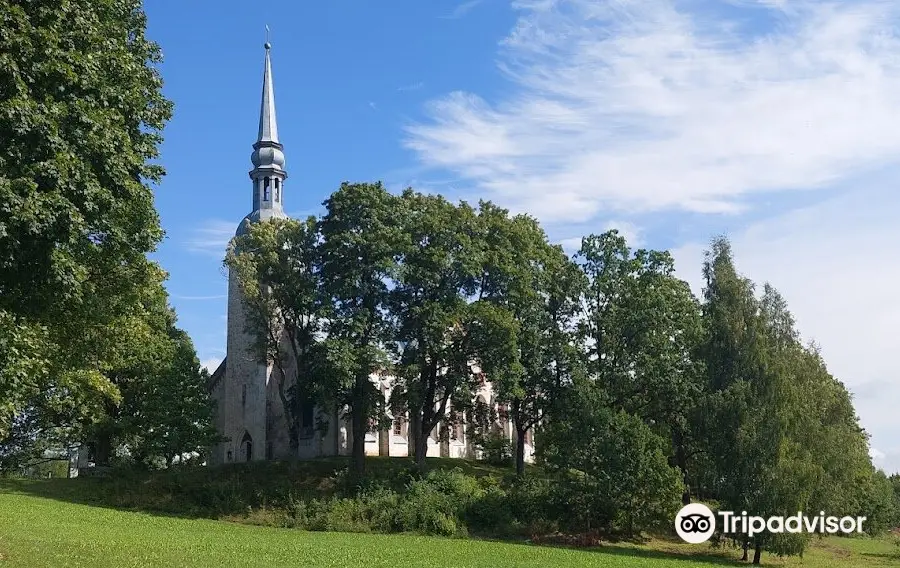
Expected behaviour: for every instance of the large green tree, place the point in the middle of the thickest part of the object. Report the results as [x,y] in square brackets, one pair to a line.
[783,433]
[81,111]
[643,329]
[540,288]
[360,250]
[430,302]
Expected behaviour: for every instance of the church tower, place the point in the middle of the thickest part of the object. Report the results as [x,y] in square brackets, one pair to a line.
[240,385]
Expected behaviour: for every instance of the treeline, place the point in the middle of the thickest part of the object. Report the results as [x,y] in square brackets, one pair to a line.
[89,351]
[641,396]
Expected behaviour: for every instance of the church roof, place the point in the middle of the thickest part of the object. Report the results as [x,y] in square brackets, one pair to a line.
[217,376]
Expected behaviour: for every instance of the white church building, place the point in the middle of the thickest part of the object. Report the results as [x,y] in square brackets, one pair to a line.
[250,416]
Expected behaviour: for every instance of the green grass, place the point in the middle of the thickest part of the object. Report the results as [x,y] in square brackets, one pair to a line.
[41,531]
[180,518]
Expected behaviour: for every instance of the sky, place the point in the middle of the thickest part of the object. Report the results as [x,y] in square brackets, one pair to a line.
[774,122]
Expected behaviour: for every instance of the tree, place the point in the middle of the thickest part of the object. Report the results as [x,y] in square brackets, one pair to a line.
[278,267]
[430,302]
[644,328]
[611,468]
[80,119]
[540,288]
[171,415]
[786,437]
[361,242]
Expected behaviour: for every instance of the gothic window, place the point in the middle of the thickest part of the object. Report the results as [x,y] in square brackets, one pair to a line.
[266,189]
[307,420]
[243,395]
[247,446]
[398,426]
[230,455]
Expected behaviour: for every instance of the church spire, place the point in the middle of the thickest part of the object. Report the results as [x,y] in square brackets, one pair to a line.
[268,173]
[268,128]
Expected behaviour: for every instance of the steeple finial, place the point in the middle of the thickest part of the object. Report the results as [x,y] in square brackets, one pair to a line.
[268,128]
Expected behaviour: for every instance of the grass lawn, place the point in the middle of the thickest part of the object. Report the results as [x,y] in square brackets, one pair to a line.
[39,531]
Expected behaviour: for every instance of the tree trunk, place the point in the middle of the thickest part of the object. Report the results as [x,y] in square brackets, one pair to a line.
[103,448]
[520,451]
[421,444]
[359,425]
[681,463]
[757,553]
[746,546]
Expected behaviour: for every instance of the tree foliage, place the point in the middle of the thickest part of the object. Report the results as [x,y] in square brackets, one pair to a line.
[81,114]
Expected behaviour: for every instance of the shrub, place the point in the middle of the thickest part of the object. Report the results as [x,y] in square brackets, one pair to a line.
[613,475]
[437,503]
[497,449]
[309,515]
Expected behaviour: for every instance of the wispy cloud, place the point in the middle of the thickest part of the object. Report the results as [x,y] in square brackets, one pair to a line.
[211,238]
[647,105]
[211,364]
[413,87]
[632,233]
[673,110]
[462,9]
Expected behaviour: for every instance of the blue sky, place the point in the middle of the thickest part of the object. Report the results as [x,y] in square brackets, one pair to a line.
[774,121]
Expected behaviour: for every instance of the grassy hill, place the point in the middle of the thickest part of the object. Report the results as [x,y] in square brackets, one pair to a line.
[157,520]
[232,490]
[43,532]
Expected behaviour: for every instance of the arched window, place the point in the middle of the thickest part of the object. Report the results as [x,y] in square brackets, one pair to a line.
[247,446]
[277,189]
[266,189]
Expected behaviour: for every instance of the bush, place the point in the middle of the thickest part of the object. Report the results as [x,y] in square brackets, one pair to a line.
[497,449]
[613,475]
[438,503]
[534,504]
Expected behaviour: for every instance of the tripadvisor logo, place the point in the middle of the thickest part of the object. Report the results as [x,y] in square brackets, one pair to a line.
[696,523]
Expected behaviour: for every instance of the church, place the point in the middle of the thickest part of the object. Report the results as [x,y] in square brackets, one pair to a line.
[249,413]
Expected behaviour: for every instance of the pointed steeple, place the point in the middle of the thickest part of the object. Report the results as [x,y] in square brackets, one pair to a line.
[268,127]
[268,173]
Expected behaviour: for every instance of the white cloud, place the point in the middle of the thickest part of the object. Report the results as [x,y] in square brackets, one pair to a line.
[632,233]
[632,109]
[211,364]
[835,263]
[462,9]
[412,87]
[645,105]
[211,238]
